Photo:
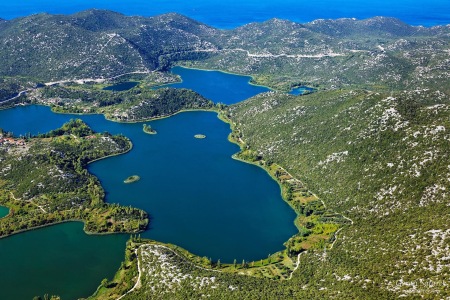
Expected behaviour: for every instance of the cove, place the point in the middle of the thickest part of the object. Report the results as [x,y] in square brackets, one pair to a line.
[216,85]
[58,260]
[4,211]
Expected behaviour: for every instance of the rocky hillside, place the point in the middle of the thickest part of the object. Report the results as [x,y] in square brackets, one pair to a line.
[379,158]
[94,44]
[279,53]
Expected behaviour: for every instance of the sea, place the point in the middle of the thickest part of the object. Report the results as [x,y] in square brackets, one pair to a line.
[233,13]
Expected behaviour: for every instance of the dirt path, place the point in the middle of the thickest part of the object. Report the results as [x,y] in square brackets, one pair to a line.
[138,281]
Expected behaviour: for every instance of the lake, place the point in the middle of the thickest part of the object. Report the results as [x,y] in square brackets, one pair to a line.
[198,196]
[4,211]
[222,87]
[301,90]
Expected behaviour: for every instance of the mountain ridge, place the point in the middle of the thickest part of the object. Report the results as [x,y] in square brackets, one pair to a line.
[101,44]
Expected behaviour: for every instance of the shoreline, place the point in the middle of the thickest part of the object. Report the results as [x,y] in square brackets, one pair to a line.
[238,142]
[164,117]
[298,213]
[234,156]
[62,222]
[112,155]
[74,220]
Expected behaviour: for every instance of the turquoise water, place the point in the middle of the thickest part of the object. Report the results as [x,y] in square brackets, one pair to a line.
[222,87]
[58,260]
[233,13]
[4,211]
[123,86]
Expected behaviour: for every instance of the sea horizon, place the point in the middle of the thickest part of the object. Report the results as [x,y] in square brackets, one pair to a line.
[237,13]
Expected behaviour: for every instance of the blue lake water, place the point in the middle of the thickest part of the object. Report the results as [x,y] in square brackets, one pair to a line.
[233,13]
[198,197]
[222,87]
[4,211]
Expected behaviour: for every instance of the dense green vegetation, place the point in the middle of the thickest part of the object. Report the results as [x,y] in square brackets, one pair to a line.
[44,180]
[134,105]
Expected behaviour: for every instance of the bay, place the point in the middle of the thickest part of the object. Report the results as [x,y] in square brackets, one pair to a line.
[221,87]
[58,260]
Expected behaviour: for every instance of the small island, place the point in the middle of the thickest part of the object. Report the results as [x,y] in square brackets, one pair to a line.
[148,129]
[200,136]
[132,179]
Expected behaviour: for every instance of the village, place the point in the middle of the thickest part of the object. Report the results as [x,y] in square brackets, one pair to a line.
[11,141]
[17,145]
